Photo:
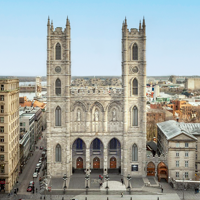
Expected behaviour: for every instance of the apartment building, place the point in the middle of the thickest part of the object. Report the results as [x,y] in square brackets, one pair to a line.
[9,133]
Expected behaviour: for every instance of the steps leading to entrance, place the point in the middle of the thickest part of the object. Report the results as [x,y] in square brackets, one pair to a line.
[97,171]
[78,171]
[113,171]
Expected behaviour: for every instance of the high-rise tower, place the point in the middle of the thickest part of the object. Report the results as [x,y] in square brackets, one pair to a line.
[134,99]
[58,97]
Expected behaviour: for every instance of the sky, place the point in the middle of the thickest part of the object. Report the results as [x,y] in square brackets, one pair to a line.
[172,30]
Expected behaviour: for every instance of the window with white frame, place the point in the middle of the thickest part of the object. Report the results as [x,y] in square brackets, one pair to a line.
[186,174]
[1,97]
[177,163]
[2,87]
[2,109]
[177,174]
[2,129]
[177,154]
[186,163]
[1,138]
[186,154]
[177,144]
[1,119]
[186,144]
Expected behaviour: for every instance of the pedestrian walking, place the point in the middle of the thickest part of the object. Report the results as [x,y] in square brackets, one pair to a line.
[122,194]
[36,190]
[122,181]
[17,189]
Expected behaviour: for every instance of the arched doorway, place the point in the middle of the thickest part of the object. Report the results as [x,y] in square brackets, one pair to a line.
[162,171]
[96,163]
[78,155]
[151,169]
[113,163]
[79,163]
[114,155]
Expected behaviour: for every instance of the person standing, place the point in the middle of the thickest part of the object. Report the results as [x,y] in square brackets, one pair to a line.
[122,181]
[122,194]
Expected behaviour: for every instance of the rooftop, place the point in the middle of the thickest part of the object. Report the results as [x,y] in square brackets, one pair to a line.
[173,128]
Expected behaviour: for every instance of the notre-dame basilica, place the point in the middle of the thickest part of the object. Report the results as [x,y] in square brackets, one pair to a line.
[96,123]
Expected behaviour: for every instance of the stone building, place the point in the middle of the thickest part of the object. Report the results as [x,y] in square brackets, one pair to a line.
[179,142]
[192,83]
[96,124]
[9,133]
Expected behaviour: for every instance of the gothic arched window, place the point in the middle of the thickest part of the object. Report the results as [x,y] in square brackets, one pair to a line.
[134,153]
[58,116]
[96,143]
[113,143]
[135,116]
[79,144]
[135,51]
[135,87]
[58,153]
[58,51]
[58,87]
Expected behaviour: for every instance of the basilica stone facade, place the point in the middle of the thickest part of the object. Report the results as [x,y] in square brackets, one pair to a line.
[96,123]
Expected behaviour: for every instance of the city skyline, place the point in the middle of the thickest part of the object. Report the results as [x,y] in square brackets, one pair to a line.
[96,36]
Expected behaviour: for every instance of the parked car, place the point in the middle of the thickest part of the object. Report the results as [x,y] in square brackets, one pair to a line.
[39,165]
[37,169]
[31,183]
[29,189]
[40,161]
[40,158]
[43,154]
[35,175]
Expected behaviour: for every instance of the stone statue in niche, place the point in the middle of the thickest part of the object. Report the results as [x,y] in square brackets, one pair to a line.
[114,115]
[78,115]
[96,115]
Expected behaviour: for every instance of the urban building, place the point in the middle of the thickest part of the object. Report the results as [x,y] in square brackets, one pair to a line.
[96,124]
[27,124]
[180,143]
[9,133]
[192,83]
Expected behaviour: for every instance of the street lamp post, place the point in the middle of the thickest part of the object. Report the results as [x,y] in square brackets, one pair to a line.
[107,178]
[129,178]
[65,179]
[87,178]
[183,186]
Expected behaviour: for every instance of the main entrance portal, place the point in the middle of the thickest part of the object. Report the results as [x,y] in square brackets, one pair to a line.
[113,163]
[96,163]
[79,163]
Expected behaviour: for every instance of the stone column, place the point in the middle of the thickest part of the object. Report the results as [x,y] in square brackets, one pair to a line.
[105,158]
[87,153]
[105,123]
[88,125]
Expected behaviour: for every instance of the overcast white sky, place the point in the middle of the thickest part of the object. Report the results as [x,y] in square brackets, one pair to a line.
[173,35]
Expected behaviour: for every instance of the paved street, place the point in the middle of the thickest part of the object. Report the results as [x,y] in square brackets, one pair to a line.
[29,169]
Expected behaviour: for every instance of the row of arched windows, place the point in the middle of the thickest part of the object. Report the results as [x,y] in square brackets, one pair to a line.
[96,145]
[134,116]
